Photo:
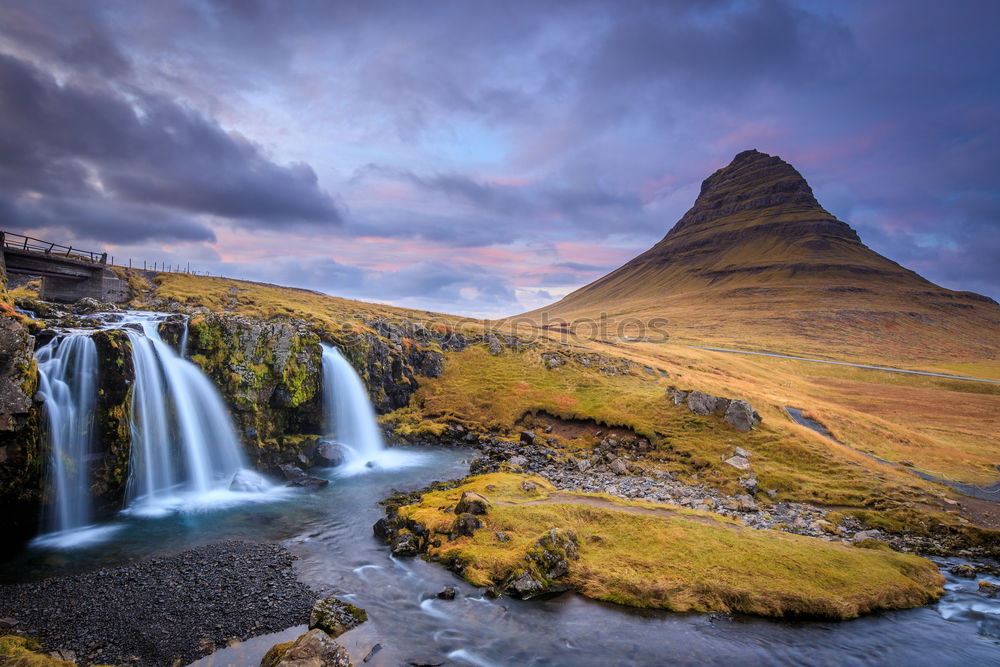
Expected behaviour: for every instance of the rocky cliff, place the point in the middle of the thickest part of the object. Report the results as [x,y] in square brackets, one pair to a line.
[20,444]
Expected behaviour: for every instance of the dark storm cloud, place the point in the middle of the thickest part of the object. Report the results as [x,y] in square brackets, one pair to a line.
[92,146]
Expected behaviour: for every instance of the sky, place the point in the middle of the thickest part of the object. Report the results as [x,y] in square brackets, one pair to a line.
[487,158]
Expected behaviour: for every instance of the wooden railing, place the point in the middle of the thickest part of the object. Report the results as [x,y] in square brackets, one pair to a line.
[22,242]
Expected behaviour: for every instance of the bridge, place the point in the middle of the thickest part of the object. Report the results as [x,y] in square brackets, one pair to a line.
[67,273]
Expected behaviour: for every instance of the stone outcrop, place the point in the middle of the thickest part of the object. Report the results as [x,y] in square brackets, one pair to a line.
[335,617]
[311,649]
[547,562]
[736,412]
[21,452]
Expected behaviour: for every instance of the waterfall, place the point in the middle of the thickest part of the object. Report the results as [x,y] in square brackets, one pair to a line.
[350,418]
[183,441]
[67,369]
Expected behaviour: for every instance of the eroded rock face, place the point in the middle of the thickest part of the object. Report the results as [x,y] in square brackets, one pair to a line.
[311,649]
[20,435]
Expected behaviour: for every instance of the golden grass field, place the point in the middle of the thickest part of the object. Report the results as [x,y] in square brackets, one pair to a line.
[649,555]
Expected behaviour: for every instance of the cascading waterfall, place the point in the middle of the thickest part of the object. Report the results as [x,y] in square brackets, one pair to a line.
[67,369]
[183,441]
[350,418]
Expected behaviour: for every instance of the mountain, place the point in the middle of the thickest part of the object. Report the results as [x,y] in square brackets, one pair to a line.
[758,263]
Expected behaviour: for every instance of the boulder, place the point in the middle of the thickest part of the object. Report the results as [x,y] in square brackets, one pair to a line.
[738,462]
[297,477]
[472,503]
[404,545]
[741,415]
[465,525]
[329,454]
[964,570]
[382,529]
[703,404]
[989,589]
[335,617]
[312,649]
[619,467]
[248,481]
[448,593]
[583,465]
[547,561]
[527,438]
[518,460]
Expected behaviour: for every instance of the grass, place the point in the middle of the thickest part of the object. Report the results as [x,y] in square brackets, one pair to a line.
[647,555]
[16,651]
[940,425]
[264,300]
[486,392]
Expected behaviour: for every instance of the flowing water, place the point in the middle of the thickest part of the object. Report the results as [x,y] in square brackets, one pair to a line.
[350,419]
[184,447]
[329,529]
[67,369]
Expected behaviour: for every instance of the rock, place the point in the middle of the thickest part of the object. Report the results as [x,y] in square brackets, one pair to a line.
[494,343]
[619,467]
[988,589]
[749,484]
[465,525]
[63,654]
[547,561]
[502,536]
[527,438]
[309,482]
[382,529]
[747,503]
[742,452]
[528,487]
[518,460]
[291,472]
[966,571]
[335,617]
[247,481]
[404,545]
[329,454]
[583,465]
[863,535]
[448,593]
[526,586]
[312,649]
[738,462]
[472,503]
[8,623]
[741,415]
[703,404]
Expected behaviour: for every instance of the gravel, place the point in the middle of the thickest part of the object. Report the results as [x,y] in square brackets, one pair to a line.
[163,610]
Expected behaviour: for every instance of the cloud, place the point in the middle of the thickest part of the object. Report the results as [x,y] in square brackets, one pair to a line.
[71,148]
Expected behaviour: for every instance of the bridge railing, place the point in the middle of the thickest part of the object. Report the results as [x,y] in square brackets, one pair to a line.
[22,242]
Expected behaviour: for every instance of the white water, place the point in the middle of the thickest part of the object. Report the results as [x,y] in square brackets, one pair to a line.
[350,419]
[67,369]
[185,452]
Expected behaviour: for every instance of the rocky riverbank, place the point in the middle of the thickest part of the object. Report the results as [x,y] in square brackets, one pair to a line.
[161,610]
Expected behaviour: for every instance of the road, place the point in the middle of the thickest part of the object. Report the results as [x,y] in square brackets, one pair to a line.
[845,363]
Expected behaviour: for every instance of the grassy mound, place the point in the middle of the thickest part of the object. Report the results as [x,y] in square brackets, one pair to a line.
[649,555]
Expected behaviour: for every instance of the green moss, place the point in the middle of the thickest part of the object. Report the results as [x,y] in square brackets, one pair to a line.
[16,651]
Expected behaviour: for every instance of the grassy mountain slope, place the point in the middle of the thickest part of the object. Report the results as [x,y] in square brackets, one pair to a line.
[758,264]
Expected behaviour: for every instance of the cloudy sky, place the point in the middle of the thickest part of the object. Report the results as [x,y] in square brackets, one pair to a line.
[485,158]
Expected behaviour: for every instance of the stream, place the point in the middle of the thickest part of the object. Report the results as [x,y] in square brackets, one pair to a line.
[330,532]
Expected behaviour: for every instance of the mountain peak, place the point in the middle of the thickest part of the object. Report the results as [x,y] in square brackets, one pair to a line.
[751,182]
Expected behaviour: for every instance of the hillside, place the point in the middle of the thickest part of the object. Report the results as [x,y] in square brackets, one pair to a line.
[758,264]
